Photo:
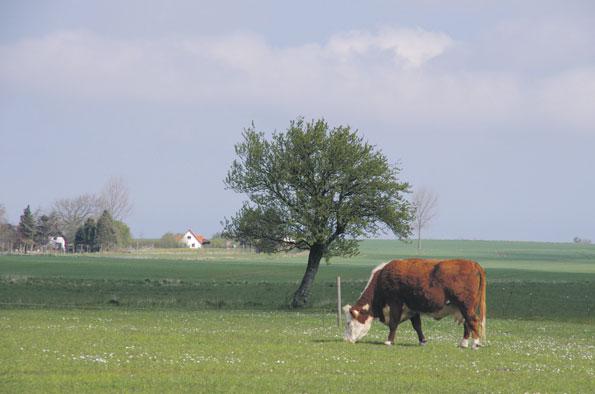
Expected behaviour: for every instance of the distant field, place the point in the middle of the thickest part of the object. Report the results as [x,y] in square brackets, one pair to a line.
[525,280]
[217,321]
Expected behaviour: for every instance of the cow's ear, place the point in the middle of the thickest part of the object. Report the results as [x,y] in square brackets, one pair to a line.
[346,309]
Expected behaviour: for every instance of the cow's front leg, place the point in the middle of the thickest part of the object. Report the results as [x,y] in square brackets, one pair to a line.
[416,322]
[465,341]
[396,309]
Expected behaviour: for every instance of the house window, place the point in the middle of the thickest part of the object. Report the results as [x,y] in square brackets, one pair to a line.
[193,245]
[188,237]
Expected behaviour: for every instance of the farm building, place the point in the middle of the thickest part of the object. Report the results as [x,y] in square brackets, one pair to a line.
[193,240]
[57,243]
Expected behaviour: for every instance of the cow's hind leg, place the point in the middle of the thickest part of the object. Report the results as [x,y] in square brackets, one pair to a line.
[396,309]
[416,322]
[472,325]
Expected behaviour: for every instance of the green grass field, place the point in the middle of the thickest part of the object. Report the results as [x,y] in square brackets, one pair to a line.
[213,351]
[216,321]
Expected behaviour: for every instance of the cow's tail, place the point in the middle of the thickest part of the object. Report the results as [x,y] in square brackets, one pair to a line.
[482,305]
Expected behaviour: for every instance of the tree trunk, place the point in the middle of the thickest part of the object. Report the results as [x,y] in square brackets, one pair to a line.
[418,239]
[300,297]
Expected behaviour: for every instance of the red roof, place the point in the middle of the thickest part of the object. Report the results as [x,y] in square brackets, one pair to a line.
[199,237]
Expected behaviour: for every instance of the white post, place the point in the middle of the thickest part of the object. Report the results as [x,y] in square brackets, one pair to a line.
[338,301]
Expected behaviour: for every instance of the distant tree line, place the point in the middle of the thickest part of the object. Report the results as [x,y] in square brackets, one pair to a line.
[578,240]
[89,222]
[170,241]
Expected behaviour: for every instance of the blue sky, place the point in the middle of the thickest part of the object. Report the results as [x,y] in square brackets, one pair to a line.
[488,103]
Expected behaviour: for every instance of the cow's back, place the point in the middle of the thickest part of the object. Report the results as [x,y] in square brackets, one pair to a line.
[426,285]
[457,276]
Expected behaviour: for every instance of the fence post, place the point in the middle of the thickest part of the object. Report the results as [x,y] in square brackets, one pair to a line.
[338,301]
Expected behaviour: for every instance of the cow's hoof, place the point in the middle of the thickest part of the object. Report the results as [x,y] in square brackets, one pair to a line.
[422,343]
[464,344]
[475,345]
[388,343]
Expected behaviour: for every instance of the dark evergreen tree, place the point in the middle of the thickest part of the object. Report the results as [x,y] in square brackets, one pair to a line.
[90,230]
[86,236]
[79,239]
[317,189]
[106,232]
[26,229]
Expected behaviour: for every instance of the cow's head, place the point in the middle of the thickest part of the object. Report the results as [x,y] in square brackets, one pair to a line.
[359,321]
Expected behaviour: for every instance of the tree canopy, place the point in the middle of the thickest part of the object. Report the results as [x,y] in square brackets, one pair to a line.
[314,188]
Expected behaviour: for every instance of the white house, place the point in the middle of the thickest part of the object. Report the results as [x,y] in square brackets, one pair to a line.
[193,240]
[57,243]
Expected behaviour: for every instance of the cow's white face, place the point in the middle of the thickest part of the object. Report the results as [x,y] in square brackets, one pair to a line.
[358,324]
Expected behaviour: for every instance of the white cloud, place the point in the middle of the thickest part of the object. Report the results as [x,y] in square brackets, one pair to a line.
[409,47]
[81,62]
[388,74]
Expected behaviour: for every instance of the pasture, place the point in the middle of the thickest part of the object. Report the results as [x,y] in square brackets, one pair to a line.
[216,321]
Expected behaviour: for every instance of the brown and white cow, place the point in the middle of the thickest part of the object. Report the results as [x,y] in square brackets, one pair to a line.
[404,289]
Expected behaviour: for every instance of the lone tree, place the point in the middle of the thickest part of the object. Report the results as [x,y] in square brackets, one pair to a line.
[115,198]
[314,188]
[425,206]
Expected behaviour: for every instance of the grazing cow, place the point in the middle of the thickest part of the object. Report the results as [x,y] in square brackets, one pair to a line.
[404,289]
